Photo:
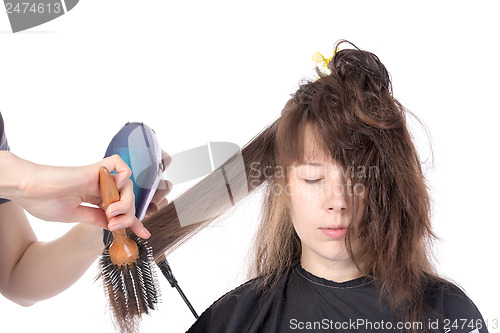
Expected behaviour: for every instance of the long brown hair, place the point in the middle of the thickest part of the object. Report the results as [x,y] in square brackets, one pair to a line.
[360,124]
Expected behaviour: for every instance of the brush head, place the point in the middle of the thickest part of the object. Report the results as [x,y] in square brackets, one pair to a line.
[131,288]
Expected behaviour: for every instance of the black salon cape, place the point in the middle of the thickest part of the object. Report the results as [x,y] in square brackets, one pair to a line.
[307,303]
[3,145]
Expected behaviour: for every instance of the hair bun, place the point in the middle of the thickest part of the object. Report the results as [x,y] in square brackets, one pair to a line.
[360,67]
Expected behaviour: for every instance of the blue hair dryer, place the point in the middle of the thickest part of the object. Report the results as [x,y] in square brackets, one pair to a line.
[138,146]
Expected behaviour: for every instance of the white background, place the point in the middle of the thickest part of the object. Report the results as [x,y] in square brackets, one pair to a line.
[199,71]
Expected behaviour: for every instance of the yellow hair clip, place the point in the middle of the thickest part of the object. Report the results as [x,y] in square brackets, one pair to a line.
[323,62]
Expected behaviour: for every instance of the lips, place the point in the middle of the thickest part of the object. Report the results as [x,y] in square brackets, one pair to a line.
[334,227]
[334,231]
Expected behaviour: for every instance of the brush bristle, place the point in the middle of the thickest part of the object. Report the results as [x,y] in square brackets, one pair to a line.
[132,290]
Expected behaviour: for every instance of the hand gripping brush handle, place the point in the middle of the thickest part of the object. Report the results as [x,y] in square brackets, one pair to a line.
[123,250]
[138,146]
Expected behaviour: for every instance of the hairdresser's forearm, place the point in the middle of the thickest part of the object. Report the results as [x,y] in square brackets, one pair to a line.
[48,268]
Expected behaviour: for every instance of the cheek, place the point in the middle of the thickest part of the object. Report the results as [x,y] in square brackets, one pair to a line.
[300,202]
[303,210]
[301,192]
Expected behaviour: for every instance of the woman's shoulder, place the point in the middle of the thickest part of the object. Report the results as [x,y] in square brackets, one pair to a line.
[445,290]
[450,300]
[238,309]
[246,291]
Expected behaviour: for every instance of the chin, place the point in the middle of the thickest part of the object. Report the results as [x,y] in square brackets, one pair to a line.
[334,253]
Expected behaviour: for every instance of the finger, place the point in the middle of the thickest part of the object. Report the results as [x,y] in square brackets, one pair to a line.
[125,206]
[166,159]
[138,228]
[134,224]
[169,186]
[164,188]
[163,203]
[155,208]
[115,163]
[126,214]
[152,209]
[121,222]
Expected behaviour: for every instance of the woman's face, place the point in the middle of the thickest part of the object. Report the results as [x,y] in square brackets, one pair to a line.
[320,206]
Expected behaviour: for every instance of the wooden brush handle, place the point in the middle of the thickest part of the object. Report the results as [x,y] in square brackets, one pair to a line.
[109,191]
[123,250]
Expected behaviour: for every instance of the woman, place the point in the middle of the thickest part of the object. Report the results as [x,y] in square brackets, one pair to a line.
[343,243]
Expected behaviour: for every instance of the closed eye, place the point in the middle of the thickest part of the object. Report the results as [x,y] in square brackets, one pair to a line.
[312,181]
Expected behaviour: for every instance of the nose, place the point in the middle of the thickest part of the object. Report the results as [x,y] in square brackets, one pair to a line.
[337,198]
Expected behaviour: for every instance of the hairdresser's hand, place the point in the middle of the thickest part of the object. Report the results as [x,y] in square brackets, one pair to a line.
[57,194]
[164,188]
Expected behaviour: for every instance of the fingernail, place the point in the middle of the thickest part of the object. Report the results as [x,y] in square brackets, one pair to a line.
[113,214]
[153,207]
[115,227]
[147,232]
